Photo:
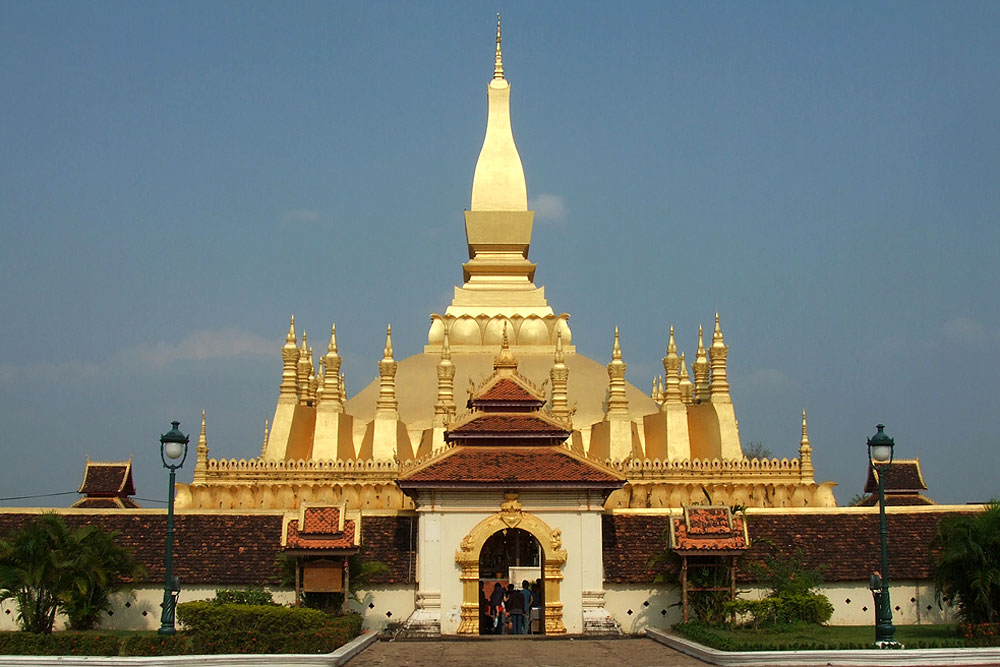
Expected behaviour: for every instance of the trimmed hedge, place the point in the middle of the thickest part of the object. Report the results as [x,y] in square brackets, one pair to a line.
[59,643]
[240,628]
[204,616]
[782,609]
[321,634]
[980,634]
[251,596]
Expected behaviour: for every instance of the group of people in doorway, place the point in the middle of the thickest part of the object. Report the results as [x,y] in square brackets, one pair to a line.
[508,610]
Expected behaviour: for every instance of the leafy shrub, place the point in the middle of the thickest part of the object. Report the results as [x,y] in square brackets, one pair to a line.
[202,616]
[967,568]
[148,643]
[324,638]
[60,643]
[250,596]
[784,609]
[980,634]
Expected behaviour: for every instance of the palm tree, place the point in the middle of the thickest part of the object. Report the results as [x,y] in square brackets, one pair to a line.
[34,571]
[102,567]
[967,568]
[47,567]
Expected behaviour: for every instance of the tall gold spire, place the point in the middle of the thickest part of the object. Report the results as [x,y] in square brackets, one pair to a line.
[559,376]
[805,452]
[617,401]
[289,360]
[498,65]
[263,447]
[498,184]
[386,403]
[202,452]
[700,368]
[303,370]
[719,386]
[671,369]
[329,390]
[687,387]
[444,409]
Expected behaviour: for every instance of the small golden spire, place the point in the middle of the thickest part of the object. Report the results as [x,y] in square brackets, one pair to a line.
[498,65]
[805,453]
[617,404]
[559,348]
[386,404]
[506,358]
[446,345]
[290,338]
[719,385]
[671,344]
[202,451]
[332,347]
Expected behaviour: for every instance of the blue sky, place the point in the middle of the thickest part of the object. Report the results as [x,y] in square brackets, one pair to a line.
[176,179]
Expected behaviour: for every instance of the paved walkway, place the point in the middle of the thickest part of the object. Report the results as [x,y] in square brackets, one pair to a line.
[524,652]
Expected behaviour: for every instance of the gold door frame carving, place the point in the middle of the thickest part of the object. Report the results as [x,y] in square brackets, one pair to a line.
[467,558]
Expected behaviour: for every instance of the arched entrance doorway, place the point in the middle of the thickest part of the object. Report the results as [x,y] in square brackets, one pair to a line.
[511,556]
[551,559]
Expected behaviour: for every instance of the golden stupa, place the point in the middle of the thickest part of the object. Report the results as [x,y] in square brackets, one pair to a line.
[677,445]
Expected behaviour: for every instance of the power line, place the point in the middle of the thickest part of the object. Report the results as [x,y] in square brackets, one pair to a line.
[150,500]
[40,495]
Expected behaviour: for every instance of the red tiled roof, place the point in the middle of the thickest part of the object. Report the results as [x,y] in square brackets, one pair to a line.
[506,424]
[902,476]
[321,521]
[98,502]
[321,537]
[107,479]
[506,390]
[844,546]
[391,540]
[211,549]
[510,466]
[897,500]
[232,549]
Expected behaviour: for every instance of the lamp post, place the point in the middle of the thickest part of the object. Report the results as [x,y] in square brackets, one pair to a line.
[880,448]
[173,451]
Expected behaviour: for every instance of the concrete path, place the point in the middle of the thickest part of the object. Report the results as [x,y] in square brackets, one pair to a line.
[524,652]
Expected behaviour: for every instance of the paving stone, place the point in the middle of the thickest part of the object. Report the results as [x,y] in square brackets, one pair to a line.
[523,652]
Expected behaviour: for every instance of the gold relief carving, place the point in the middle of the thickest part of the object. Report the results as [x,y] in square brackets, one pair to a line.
[510,509]
[467,557]
[708,520]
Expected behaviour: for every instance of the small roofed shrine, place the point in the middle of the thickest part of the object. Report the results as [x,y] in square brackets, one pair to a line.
[904,484]
[709,537]
[508,454]
[107,485]
[320,541]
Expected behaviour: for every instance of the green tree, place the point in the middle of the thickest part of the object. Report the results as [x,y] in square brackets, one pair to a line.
[967,568]
[48,567]
[35,570]
[104,567]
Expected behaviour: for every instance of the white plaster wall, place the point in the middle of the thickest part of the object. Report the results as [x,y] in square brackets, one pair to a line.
[650,606]
[442,529]
[912,601]
[382,605]
[135,610]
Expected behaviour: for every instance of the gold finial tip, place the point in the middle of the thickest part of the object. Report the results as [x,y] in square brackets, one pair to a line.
[498,64]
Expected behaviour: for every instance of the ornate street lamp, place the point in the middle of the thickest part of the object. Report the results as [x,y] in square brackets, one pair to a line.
[880,448]
[173,451]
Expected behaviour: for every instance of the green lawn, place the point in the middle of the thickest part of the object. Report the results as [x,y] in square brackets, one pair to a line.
[804,637]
